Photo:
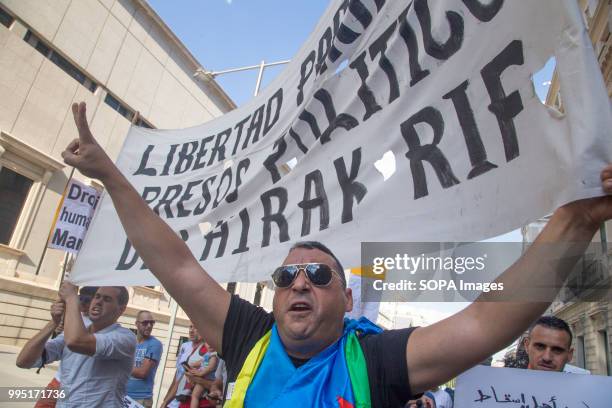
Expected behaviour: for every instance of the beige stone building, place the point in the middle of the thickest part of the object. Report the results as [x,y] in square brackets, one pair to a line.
[591,322]
[119,57]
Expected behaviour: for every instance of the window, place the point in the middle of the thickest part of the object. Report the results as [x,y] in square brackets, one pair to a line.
[60,61]
[142,123]
[182,340]
[24,174]
[580,355]
[36,43]
[605,346]
[5,18]
[14,189]
[123,110]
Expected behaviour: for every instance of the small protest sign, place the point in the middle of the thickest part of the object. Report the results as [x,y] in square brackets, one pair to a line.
[73,217]
[491,387]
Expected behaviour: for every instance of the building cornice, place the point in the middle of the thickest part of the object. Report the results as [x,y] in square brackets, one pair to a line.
[16,146]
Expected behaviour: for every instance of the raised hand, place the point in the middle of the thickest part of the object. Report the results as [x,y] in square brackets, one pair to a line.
[57,312]
[68,290]
[85,153]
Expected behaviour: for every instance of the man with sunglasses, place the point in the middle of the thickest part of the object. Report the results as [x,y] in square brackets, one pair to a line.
[307,320]
[146,359]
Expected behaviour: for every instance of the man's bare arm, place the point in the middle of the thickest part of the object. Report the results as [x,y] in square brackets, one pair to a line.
[33,349]
[142,371]
[76,336]
[441,351]
[164,253]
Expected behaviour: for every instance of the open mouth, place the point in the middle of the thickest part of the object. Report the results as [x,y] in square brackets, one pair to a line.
[300,307]
[546,366]
[94,311]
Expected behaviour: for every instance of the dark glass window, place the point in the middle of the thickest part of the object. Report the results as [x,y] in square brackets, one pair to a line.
[143,124]
[14,189]
[606,347]
[60,61]
[68,67]
[37,44]
[123,110]
[5,18]
[182,340]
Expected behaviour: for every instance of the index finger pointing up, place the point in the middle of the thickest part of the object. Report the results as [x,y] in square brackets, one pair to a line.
[79,111]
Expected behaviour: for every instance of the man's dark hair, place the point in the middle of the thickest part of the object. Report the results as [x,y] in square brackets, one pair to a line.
[86,293]
[555,323]
[124,295]
[88,290]
[322,248]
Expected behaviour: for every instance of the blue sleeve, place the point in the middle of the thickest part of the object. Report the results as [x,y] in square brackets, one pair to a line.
[154,352]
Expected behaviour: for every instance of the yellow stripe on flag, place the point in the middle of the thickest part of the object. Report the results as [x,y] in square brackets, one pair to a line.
[368,272]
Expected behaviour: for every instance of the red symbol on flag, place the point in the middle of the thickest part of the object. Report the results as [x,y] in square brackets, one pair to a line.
[342,403]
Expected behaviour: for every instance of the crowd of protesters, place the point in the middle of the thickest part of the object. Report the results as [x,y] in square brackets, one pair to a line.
[101,362]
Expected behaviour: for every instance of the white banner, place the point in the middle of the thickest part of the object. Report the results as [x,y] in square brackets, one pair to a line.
[491,387]
[441,89]
[73,217]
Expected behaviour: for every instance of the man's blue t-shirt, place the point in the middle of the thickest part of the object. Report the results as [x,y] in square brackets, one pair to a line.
[151,349]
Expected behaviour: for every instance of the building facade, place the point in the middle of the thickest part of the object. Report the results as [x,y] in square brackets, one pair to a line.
[591,321]
[120,58]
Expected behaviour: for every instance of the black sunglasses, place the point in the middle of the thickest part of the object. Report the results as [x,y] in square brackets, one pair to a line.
[318,274]
[147,322]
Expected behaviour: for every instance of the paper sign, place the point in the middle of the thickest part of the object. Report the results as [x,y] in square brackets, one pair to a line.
[74,217]
[491,387]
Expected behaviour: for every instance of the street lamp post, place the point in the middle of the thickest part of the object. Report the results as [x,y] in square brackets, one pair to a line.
[210,75]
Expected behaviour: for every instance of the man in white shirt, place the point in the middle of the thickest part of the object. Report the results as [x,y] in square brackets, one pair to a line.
[97,360]
[86,294]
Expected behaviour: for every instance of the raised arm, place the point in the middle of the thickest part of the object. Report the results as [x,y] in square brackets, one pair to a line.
[164,253]
[77,338]
[441,351]
[33,349]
